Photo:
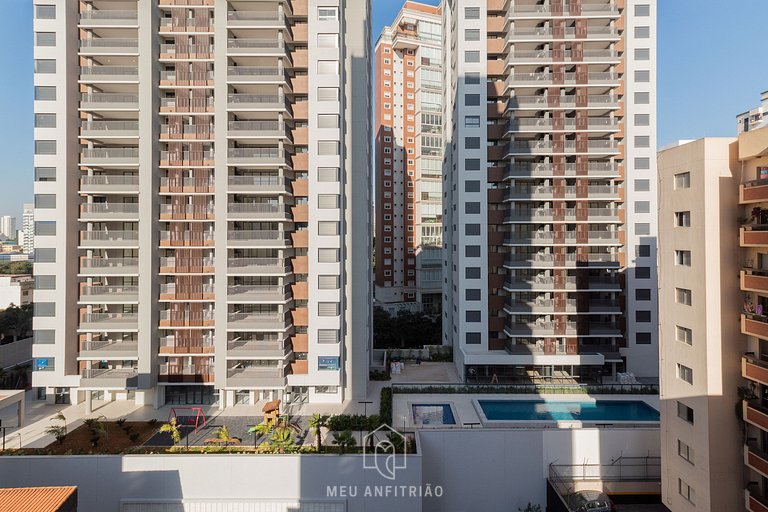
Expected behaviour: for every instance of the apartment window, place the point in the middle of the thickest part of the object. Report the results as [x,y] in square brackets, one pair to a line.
[472,207]
[684,335]
[472,78]
[472,229]
[328,309]
[327,201]
[43,336]
[642,185]
[45,174]
[327,336]
[683,219]
[44,364]
[469,272]
[642,228]
[685,451]
[326,390]
[328,147]
[45,309]
[642,207]
[328,282]
[45,93]
[327,13]
[327,121]
[642,98]
[684,373]
[471,56]
[45,255]
[684,412]
[473,338]
[327,67]
[642,10]
[472,34]
[45,282]
[683,258]
[642,272]
[327,40]
[45,120]
[471,164]
[473,316]
[45,38]
[472,121]
[472,251]
[472,100]
[45,227]
[642,32]
[45,147]
[471,142]
[683,180]
[642,54]
[643,294]
[328,174]
[327,94]
[472,13]
[472,186]
[472,295]
[45,201]
[642,76]
[642,338]
[683,296]
[327,228]
[45,12]
[642,141]
[685,490]
[45,66]
[642,120]
[642,316]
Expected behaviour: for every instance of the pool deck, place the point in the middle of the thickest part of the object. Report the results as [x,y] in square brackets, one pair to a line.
[467,416]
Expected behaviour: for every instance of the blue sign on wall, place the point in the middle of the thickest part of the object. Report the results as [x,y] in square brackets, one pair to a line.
[41,364]
[328,362]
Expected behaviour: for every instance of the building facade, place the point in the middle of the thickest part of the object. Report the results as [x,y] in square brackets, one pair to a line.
[755,118]
[8,226]
[16,290]
[700,350]
[409,153]
[550,188]
[215,246]
[26,237]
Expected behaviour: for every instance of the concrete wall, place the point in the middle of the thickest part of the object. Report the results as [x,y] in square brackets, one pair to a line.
[15,353]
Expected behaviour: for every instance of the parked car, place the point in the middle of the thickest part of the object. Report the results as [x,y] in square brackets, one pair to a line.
[590,501]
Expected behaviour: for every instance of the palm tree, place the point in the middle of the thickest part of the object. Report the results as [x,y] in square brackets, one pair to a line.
[260,430]
[172,428]
[344,440]
[282,439]
[316,424]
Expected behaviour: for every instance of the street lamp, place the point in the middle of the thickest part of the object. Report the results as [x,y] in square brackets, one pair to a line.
[365,413]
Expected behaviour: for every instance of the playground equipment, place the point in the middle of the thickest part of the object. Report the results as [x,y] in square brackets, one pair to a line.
[197,419]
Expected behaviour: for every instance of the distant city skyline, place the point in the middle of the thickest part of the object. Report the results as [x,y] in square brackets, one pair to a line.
[687,81]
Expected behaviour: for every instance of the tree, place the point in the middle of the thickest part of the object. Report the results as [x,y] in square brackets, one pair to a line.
[405,330]
[58,431]
[260,430]
[316,424]
[16,321]
[530,508]
[282,437]
[344,440]
[172,428]
[16,267]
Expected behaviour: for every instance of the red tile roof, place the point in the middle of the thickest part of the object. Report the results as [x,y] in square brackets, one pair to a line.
[34,499]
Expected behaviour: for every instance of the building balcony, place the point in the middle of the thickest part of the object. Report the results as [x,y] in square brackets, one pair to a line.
[756,414]
[185,373]
[109,184]
[188,3]
[545,192]
[103,157]
[255,19]
[105,18]
[568,102]
[603,260]
[754,370]
[257,238]
[570,306]
[544,170]
[550,283]
[256,156]
[102,74]
[201,185]
[109,294]
[754,502]
[257,349]
[567,328]
[187,132]
[186,51]
[255,377]
[186,105]
[255,74]
[754,236]
[754,325]
[186,158]
[172,78]
[174,265]
[548,147]
[538,57]
[257,321]
[114,238]
[109,129]
[185,319]
[109,349]
[753,192]
[548,79]
[254,129]
[171,291]
[592,215]
[114,378]
[109,266]
[257,211]
[591,10]
[169,345]
[564,238]
[753,280]
[183,25]
[109,322]
[251,294]
[265,184]
[109,46]
[259,102]
[254,46]
[106,101]
[539,125]
[535,34]
[109,211]
[186,239]
[186,212]
[256,266]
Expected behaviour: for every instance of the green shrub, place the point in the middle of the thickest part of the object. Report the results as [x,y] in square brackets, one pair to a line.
[385,406]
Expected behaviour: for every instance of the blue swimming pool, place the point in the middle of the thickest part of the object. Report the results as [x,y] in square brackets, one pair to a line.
[433,414]
[593,411]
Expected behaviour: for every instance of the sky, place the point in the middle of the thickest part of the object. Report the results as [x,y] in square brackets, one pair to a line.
[711,67]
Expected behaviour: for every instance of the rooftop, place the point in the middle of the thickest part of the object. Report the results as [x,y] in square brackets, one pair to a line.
[37,499]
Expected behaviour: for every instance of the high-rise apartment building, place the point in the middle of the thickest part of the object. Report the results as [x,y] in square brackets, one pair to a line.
[550,188]
[755,118]
[409,156]
[27,231]
[214,246]
[8,226]
[699,343]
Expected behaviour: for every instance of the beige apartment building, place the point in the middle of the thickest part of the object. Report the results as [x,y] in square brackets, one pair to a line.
[200,237]
[409,160]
